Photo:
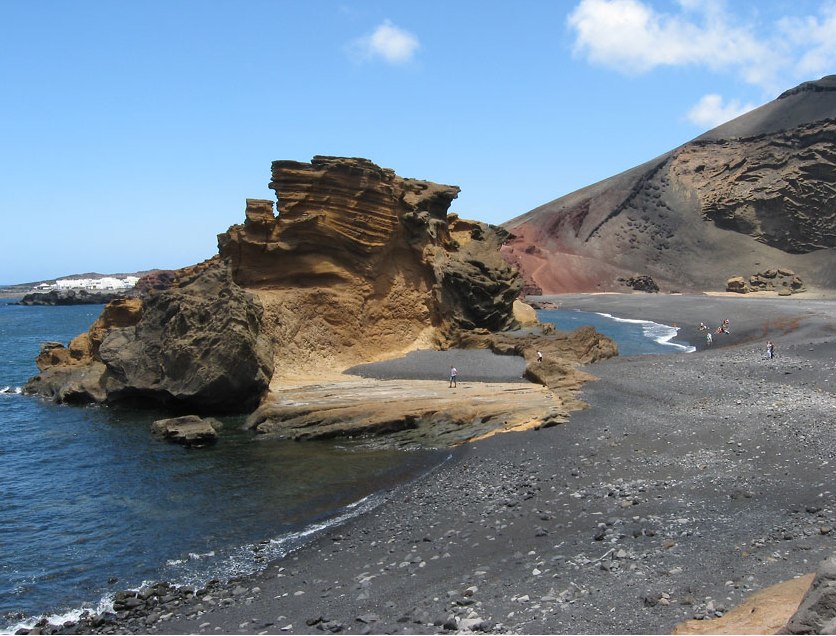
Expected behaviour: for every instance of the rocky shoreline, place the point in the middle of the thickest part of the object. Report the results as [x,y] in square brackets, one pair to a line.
[70,297]
[691,482]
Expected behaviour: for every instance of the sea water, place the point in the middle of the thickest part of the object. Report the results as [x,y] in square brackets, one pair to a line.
[91,503]
[633,337]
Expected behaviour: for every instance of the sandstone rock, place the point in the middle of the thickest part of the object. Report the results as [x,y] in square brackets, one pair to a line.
[764,612]
[356,249]
[525,314]
[359,264]
[737,284]
[189,430]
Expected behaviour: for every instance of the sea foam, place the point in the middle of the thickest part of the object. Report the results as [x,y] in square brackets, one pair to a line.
[663,334]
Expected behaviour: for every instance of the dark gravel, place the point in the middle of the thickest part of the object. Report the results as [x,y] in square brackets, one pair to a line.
[473,365]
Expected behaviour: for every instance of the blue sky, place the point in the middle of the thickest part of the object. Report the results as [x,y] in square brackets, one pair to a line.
[133,132]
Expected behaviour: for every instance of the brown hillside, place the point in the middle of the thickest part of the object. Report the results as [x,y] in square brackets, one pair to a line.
[754,194]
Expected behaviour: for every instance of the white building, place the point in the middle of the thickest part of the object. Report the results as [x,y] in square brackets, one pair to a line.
[106,283]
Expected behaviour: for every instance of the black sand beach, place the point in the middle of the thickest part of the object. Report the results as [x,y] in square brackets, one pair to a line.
[691,481]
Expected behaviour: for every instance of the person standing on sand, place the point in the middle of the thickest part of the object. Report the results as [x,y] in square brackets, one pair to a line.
[708,338]
[453,374]
[770,350]
[539,356]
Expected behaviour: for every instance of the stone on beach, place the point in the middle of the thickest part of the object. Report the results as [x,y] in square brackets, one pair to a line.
[189,430]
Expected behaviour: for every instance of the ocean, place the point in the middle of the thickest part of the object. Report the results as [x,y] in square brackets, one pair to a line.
[91,503]
[634,337]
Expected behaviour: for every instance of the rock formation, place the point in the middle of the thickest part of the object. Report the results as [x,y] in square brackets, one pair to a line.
[426,413]
[757,191]
[360,264]
[70,297]
[817,612]
[198,345]
[785,282]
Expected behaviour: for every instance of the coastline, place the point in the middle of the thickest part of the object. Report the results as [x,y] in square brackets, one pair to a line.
[687,485]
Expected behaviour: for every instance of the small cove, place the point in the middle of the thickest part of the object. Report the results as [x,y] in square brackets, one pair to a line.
[92,504]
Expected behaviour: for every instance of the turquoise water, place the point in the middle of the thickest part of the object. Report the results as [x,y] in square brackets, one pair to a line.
[634,337]
[91,504]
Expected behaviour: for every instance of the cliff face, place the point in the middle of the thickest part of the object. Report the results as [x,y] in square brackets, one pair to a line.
[360,264]
[758,192]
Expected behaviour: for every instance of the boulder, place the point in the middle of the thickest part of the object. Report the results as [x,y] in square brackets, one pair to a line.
[737,284]
[817,612]
[641,283]
[783,281]
[189,430]
[197,345]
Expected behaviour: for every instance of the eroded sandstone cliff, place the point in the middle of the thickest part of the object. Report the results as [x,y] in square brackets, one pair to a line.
[359,264]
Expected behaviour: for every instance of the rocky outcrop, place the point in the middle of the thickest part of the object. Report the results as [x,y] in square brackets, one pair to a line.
[760,189]
[640,283]
[361,264]
[198,345]
[428,413]
[70,297]
[779,188]
[783,281]
[817,612]
[188,430]
[156,280]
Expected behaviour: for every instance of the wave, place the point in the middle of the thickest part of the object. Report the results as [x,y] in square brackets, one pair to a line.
[11,390]
[662,334]
[198,569]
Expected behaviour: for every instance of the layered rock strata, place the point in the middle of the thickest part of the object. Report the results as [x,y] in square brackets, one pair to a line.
[427,413]
[359,265]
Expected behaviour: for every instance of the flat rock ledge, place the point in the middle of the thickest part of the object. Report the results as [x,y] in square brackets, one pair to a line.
[189,430]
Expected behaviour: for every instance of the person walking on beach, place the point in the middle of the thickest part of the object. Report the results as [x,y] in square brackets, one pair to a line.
[708,338]
[539,356]
[453,374]
[770,350]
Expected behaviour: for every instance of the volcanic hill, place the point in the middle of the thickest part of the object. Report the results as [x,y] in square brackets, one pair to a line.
[754,198]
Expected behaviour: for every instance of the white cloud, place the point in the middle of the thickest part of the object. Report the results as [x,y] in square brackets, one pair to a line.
[710,111]
[387,42]
[816,39]
[632,37]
